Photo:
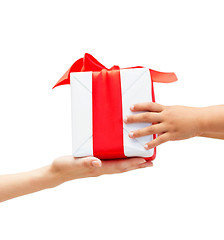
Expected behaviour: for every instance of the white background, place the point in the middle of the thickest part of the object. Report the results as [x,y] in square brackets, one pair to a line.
[181,197]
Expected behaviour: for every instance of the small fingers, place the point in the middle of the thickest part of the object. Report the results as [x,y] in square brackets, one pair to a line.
[147,106]
[156,142]
[143,117]
[153,129]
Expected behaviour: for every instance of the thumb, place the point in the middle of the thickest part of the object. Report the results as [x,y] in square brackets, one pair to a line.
[92,162]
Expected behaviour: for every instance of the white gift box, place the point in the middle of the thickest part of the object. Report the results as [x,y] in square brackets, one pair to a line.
[136,86]
[101,98]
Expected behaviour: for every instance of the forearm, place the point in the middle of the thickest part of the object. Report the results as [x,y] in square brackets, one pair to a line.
[212,122]
[213,135]
[63,169]
[14,185]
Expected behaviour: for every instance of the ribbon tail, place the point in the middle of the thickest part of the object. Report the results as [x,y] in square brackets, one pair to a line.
[163,77]
[65,79]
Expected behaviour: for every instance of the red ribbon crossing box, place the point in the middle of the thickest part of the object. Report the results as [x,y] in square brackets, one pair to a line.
[101,98]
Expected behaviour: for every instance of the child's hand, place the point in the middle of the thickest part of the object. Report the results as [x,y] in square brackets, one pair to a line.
[169,122]
[68,168]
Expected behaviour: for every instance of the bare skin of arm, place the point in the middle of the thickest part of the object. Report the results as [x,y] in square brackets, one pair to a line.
[61,170]
[169,122]
[177,122]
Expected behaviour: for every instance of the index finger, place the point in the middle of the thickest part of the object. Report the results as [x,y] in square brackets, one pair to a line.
[147,106]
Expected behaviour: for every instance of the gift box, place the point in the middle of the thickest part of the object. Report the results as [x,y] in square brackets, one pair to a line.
[101,98]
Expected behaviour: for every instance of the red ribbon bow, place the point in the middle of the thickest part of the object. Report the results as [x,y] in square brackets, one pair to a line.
[89,63]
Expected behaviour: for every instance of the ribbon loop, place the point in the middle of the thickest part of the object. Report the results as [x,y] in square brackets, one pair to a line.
[115,67]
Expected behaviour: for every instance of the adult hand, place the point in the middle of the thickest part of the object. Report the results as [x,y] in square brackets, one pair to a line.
[68,168]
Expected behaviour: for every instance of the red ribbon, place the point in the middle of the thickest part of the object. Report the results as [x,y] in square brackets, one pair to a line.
[107,115]
[89,63]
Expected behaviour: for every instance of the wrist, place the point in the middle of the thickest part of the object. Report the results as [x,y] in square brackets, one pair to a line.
[203,120]
[44,178]
[55,177]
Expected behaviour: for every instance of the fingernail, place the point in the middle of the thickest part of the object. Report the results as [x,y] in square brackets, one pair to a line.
[146,147]
[96,163]
[125,119]
[132,107]
[150,164]
[131,134]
